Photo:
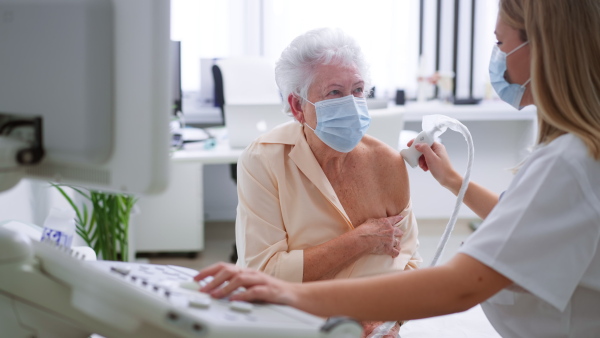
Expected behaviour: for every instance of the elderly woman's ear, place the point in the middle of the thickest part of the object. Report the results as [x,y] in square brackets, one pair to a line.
[296,108]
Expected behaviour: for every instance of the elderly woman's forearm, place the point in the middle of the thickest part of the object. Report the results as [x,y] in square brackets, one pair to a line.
[324,261]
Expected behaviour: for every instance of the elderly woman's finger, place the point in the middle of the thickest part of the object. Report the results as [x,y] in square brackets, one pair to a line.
[398,232]
[395,219]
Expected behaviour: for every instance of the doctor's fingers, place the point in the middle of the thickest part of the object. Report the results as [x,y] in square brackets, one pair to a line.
[275,291]
[436,160]
[433,154]
[223,273]
[212,270]
[251,285]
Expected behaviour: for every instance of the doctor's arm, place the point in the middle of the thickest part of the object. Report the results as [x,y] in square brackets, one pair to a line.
[453,287]
[435,159]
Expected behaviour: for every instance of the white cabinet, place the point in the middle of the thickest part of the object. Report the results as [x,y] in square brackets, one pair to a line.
[173,221]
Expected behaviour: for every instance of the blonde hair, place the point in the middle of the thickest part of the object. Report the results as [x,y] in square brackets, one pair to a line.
[565,69]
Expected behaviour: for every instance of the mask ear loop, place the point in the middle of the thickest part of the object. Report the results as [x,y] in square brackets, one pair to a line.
[517,48]
[305,124]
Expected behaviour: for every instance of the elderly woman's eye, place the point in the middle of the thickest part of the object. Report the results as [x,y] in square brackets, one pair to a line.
[334,92]
[358,90]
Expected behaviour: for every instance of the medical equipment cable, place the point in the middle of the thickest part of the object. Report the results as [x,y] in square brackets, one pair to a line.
[384,328]
[459,199]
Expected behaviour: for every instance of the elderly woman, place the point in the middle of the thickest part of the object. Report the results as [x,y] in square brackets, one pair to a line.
[319,199]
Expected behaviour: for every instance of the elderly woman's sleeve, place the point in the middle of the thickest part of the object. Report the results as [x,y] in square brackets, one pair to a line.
[261,237]
[410,240]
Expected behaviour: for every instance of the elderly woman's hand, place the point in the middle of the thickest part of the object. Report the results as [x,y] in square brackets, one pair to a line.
[259,286]
[380,234]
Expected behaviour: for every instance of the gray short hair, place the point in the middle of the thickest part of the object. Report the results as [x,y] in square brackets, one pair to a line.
[294,72]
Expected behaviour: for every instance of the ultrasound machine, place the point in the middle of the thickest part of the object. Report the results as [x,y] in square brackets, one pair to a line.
[85,100]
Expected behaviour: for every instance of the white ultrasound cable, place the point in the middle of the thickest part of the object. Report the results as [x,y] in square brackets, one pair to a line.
[461,194]
[433,126]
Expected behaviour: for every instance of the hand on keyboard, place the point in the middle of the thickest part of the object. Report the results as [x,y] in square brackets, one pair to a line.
[245,284]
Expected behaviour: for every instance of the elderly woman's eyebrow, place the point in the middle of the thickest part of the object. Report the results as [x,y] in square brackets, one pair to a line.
[361,82]
[336,85]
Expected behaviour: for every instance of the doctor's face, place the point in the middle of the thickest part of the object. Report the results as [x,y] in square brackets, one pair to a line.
[518,64]
[331,82]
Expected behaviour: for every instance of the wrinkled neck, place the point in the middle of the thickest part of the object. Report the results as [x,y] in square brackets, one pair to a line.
[330,160]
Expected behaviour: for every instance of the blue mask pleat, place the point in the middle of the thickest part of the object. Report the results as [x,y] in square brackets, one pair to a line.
[510,93]
[342,122]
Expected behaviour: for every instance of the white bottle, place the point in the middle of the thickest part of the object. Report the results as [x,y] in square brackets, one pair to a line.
[59,227]
[423,85]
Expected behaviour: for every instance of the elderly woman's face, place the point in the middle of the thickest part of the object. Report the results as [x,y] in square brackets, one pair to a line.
[332,82]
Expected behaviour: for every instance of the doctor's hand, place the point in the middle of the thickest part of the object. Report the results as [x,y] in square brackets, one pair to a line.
[381,236]
[435,159]
[259,286]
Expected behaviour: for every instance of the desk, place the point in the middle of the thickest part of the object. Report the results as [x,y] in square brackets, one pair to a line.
[174,221]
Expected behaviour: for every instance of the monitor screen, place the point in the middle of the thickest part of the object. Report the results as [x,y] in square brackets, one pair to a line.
[96,74]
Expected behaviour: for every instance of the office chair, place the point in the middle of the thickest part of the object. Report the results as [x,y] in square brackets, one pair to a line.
[243,80]
[219,92]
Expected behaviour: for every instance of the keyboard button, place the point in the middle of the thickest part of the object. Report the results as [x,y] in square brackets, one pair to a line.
[190,285]
[199,302]
[123,270]
[240,306]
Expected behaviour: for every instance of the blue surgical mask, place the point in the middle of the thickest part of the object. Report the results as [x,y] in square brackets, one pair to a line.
[341,122]
[510,93]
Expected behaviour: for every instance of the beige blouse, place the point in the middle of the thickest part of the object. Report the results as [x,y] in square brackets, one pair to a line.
[286,204]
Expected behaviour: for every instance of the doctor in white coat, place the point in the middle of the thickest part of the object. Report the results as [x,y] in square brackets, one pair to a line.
[534,263]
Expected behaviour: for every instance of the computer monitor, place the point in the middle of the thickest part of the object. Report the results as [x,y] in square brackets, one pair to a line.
[95,74]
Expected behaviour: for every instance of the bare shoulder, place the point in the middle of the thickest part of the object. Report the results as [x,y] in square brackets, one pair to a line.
[388,172]
[383,153]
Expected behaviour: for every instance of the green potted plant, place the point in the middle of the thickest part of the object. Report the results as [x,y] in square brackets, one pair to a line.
[104,225]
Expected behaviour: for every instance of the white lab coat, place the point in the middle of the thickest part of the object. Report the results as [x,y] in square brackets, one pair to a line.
[544,235]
